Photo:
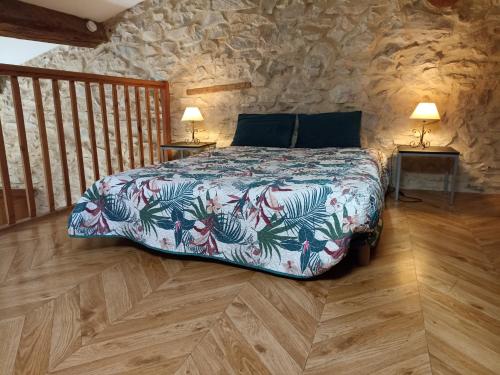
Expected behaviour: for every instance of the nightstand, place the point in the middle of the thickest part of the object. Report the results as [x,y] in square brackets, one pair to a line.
[433,151]
[188,146]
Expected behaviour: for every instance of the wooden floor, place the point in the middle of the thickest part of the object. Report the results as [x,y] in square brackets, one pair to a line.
[428,302]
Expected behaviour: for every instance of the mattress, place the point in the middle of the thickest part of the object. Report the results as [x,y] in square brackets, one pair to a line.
[292,212]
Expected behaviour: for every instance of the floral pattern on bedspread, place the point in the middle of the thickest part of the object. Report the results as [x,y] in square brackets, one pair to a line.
[288,211]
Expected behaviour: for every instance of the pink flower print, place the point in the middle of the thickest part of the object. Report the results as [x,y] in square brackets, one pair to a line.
[336,254]
[178,225]
[305,246]
[256,251]
[349,223]
[291,267]
[336,205]
[213,205]
[166,244]
[105,187]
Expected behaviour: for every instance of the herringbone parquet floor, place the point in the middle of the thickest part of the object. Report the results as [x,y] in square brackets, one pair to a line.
[429,301]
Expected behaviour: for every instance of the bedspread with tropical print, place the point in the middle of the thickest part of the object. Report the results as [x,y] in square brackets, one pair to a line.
[287,211]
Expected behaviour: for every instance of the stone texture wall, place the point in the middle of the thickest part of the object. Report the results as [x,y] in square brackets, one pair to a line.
[381,57]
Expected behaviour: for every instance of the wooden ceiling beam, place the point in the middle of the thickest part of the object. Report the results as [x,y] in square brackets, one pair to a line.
[26,21]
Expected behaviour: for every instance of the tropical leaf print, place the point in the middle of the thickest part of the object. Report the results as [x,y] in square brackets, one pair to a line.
[259,207]
[189,244]
[239,256]
[215,227]
[306,244]
[149,215]
[271,236]
[198,209]
[228,229]
[177,223]
[306,209]
[101,208]
[177,196]
[115,209]
[333,232]
[92,194]
[239,202]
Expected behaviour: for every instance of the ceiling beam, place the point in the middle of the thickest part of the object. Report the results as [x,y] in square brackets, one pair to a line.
[26,21]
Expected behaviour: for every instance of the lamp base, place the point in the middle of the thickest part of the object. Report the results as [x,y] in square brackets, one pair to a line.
[422,145]
[193,130]
[420,133]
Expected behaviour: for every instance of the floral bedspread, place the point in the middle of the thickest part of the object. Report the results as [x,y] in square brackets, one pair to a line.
[287,211]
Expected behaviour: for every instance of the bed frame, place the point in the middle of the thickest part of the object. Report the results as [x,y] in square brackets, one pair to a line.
[362,250]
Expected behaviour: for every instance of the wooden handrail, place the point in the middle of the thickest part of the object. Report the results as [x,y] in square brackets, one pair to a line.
[85,130]
[28,71]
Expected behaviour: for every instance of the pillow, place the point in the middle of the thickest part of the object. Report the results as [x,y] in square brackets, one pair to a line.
[335,129]
[272,130]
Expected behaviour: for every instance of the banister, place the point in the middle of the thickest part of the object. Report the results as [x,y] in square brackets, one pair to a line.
[82,142]
[28,71]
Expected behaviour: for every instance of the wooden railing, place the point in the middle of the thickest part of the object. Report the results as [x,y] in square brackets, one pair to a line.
[53,80]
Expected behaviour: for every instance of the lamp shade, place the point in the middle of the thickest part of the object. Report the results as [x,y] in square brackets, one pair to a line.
[192,114]
[425,111]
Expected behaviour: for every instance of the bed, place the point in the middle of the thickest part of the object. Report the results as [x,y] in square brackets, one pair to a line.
[288,211]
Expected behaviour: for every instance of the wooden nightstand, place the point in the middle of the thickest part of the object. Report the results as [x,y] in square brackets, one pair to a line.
[433,151]
[188,146]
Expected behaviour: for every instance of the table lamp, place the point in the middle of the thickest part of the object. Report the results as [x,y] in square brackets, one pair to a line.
[193,115]
[424,112]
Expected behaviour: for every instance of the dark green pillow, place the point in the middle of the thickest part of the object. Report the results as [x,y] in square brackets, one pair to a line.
[335,129]
[271,130]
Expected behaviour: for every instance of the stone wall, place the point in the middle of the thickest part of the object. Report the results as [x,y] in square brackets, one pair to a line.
[381,57]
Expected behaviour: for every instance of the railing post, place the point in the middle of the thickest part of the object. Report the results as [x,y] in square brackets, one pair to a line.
[148,122]
[61,140]
[118,138]
[42,131]
[78,139]
[129,128]
[158,124]
[138,119]
[23,145]
[7,192]
[91,123]
[165,114]
[105,127]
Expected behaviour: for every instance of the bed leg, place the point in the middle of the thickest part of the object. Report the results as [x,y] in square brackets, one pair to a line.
[363,251]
